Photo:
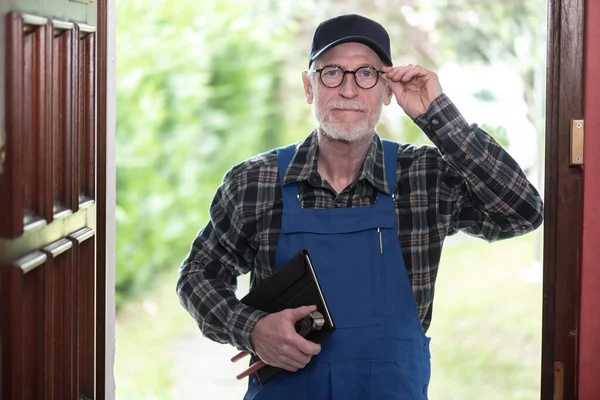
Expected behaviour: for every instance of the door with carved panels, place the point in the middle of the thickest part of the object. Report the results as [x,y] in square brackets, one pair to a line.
[49,195]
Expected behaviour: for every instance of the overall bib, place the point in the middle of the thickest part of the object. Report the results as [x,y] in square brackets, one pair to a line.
[379,350]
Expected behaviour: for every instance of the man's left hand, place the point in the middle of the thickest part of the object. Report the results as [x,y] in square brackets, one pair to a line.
[414,87]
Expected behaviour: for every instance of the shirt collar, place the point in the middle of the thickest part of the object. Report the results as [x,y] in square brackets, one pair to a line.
[303,166]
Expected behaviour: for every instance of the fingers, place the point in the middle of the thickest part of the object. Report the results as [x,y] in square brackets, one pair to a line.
[404,73]
[292,367]
[292,360]
[277,342]
[401,74]
[298,351]
[295,341]
[296,358]
[306,346]
[289,357]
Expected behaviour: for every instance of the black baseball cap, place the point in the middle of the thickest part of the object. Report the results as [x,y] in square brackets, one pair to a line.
[351,28]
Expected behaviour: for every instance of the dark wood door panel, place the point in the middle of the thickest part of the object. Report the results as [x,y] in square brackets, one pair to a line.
[11,223]
[50,340]
[85,275]
[35,313]
[64,122]
[50,113]
[87,114]
[35,139]
[24,353]
[48,245]
[60,297]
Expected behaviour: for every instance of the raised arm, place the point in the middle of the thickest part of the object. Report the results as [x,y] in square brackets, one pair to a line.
[491,195]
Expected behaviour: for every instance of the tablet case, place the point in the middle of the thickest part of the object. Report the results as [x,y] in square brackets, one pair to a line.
[293,285]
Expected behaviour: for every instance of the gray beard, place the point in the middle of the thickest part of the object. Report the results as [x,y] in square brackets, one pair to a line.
[354,134]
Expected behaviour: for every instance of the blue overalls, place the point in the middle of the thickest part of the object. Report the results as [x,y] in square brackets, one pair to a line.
[379,350]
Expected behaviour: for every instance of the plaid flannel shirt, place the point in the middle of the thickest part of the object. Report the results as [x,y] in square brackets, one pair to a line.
[465,182]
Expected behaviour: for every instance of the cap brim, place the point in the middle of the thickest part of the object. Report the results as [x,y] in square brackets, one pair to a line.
[360,39]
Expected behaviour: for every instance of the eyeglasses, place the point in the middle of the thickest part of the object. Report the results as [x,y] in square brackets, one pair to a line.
[333,76]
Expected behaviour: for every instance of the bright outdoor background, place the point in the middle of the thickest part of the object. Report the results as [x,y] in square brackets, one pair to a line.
[202,85]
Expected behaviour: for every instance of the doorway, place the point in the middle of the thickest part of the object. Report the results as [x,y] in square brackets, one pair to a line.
[261,29]
[562,233]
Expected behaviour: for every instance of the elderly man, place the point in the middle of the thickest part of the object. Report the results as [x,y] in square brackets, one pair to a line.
[373,215]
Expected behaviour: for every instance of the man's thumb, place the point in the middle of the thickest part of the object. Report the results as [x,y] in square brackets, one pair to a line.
[301,312]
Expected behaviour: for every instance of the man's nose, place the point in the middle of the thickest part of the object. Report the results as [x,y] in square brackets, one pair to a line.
[349,88]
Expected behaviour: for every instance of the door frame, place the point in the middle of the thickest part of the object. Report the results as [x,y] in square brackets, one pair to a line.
[106,181]
[563,201]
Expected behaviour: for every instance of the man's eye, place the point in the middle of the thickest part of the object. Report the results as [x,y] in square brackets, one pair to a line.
[366,73]
[332,72]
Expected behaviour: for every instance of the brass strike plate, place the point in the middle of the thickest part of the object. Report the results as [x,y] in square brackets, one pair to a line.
[577,135]
[559,381]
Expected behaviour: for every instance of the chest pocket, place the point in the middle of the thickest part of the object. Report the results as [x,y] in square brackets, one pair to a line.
[359,273]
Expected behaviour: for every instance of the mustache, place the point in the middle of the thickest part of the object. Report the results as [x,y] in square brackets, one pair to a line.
[347,105]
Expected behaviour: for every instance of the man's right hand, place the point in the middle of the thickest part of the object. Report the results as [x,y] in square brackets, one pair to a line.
[277,343]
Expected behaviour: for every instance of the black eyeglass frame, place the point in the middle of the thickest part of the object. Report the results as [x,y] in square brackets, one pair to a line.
[344,72]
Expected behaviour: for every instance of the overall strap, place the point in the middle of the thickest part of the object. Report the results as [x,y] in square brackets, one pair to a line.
[284,158]
[289,193]
[390,158]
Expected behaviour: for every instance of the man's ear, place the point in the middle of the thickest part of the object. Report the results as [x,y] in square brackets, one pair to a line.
[308,89]
[387,95]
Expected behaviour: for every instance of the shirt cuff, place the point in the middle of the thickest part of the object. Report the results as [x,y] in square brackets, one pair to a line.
[243,323]
[441,117]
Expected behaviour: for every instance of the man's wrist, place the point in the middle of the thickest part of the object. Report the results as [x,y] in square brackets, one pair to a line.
[252,348]
[246,339]
[435,106]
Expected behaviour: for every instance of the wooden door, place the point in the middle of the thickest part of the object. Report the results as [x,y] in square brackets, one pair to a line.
[49,205]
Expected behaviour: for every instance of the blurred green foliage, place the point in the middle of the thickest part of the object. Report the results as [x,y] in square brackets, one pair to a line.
[197,91]
[203,85]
